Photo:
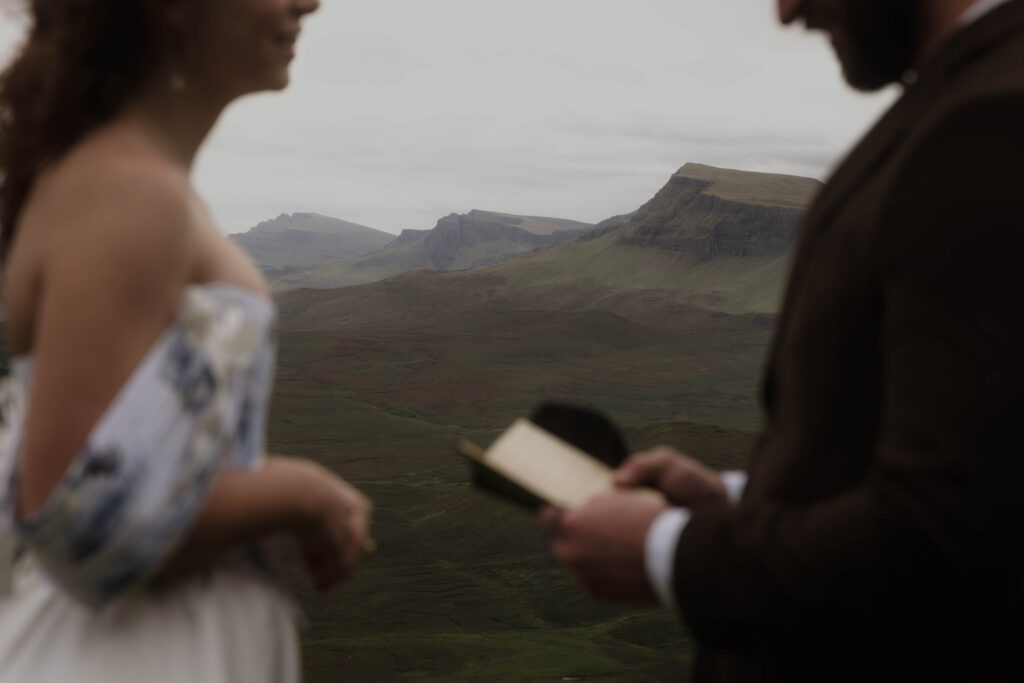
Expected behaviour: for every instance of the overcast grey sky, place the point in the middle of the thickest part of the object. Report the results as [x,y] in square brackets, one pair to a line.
[402,111]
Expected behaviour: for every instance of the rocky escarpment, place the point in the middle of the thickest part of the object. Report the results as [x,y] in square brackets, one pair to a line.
[724,215]
[471,240]
[409,236]
[606,226]
[481,238]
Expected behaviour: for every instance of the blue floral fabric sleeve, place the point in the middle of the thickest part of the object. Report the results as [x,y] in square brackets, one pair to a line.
[195,404]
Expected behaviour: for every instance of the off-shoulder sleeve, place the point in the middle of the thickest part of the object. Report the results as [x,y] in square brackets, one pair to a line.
[131,494]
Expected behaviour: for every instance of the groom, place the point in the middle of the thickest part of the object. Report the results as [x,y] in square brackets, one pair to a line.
[881,533]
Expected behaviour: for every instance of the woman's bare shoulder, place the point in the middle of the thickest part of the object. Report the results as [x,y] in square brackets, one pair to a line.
[106,228]
[112,206]
[114,187]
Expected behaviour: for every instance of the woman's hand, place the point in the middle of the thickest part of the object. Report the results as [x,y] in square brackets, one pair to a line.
[335,534]
[292,496]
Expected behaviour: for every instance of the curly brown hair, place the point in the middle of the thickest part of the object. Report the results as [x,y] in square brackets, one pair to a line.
[80,63]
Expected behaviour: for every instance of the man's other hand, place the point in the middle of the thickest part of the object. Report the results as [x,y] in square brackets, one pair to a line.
[683,480]
[602,543]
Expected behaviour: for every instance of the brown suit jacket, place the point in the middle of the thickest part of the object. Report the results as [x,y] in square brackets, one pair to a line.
[881,536]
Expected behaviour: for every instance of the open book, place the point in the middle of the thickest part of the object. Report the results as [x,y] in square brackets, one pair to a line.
[531,466]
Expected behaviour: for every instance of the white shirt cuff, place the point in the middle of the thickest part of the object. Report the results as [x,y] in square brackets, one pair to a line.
[660,553]
[735,482]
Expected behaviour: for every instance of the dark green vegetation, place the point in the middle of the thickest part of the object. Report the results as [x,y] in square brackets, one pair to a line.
[640,318]
[461,587]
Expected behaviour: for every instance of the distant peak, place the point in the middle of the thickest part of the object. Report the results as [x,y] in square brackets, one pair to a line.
[536,225]
[691,167]
[309,221]
[707,172]
[752,187]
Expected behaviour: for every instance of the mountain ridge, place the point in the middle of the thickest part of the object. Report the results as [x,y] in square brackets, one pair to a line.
[685,257]
[304,238]
[457,242]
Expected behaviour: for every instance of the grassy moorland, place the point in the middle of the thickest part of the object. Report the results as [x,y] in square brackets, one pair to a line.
[462,587]
[661,321]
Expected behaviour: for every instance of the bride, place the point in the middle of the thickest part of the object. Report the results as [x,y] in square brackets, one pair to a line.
[132,475]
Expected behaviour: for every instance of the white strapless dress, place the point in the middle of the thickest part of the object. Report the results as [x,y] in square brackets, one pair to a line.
[223,626]
[81,604]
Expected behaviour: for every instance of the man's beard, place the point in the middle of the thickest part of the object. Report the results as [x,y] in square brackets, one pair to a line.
[879,41]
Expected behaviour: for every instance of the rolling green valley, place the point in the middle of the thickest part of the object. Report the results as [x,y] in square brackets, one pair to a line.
[660,320]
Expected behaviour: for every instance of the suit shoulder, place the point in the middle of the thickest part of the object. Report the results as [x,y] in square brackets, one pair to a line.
[958,183]
[979,125]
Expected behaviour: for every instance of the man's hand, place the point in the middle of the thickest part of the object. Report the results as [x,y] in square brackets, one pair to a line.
[602,543]
[683,480]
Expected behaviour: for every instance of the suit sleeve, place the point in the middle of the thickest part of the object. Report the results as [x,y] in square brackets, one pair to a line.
[935,525]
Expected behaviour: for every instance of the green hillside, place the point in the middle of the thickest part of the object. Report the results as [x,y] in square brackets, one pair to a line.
[764,189]
[712,238]
[612,270]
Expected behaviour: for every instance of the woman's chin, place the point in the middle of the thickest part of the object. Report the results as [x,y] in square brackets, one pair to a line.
[280,81]
[273,83]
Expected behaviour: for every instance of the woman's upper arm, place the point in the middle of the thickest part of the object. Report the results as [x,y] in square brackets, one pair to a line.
[113,263]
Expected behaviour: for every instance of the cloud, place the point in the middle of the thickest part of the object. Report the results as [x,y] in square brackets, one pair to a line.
[404,111]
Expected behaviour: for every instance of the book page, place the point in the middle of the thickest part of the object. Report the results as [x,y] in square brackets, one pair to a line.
[553,469]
